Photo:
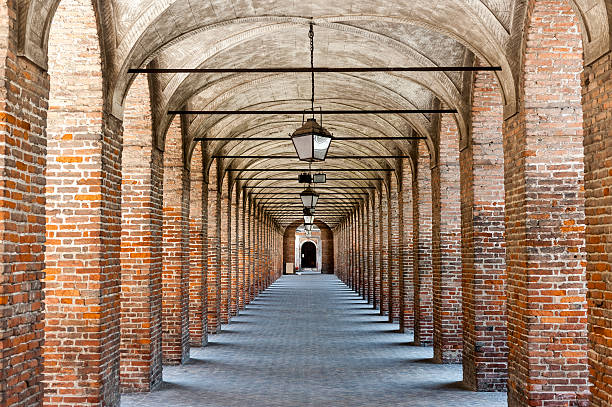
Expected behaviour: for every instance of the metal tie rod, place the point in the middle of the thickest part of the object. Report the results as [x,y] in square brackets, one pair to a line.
[301,112]
[319,69]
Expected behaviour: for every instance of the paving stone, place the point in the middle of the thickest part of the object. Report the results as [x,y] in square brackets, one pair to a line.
[310,341]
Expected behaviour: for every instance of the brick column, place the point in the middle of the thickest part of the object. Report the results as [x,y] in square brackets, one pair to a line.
[597,83]
[241,248]
[175,251]
[141,249]
[22,216]
[197,247]
[422,261]
[446,246]
[223,216]
[384,253]
[233,222]
[361,250]
[83,209]
[368,249]
[394,240]
[545,221]
[406,229]
[213,272]
[376,211]
[483,248]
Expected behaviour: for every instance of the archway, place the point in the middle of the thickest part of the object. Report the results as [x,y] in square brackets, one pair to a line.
[308,256]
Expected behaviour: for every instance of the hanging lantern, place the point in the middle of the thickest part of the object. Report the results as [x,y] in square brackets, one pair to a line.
[309,198]
[311,141]
[308,227]
[308,216]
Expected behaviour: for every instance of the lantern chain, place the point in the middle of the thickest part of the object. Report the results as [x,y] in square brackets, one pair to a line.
[311,36]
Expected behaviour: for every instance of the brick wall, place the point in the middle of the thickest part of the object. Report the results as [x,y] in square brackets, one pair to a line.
[24,91]
[545,217]
[597,86]
[141,253]
[198,202]
[422,262]
[446,246]
[83,220]
[175,252]
[485,351]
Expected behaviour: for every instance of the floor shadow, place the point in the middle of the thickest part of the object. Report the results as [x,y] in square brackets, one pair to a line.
[448,386]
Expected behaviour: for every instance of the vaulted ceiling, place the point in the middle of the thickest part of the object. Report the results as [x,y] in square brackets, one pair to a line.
[348,33]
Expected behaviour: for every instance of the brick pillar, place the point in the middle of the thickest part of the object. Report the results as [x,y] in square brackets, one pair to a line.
[367,234]
[175,251]
[241,248]
[483,248]
[545,222]
[83,209]
[406,229]
[597,82]
[257,250]
[22,217]
[252,253]
[198,203]
[376,211]
[361,250]
[384,252]
[213,272]
[249,249]
[141,249]
[422,261]
[223,216]
[446,246]
[394,239]
[233,222]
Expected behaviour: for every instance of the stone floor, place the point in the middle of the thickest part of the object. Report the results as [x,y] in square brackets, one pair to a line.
[310,341]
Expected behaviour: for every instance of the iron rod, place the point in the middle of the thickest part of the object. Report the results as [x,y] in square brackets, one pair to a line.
[301,112]
[290,157]
[288,139]
[308,169]
[319,69]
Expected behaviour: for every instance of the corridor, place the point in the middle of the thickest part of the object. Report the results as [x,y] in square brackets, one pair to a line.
[310,341]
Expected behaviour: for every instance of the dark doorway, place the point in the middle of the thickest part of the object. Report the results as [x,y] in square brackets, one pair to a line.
[309,256]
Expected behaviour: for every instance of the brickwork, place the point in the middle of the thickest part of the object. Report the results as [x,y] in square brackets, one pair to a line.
[547,331]
[213,274]
[597,172]
[223,216]
[246,248]
[24,91]
[175,252]
[369,240]
[376,209]
[83,209]
[233,244]
[198,246]
[446,246]
[485,352]
[141,252]
[422,260]
[406,229]
[240,246]
[394,241]
[384,252]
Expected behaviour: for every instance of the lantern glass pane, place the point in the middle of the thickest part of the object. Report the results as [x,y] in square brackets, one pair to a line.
[303,146]
[321,145]
[308,219]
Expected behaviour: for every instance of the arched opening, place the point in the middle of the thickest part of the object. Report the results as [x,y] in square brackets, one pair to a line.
[308,256]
